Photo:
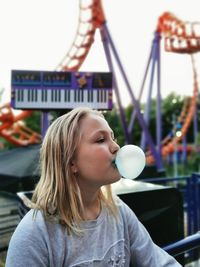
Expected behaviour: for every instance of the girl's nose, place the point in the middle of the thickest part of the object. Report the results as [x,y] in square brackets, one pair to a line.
[114,147]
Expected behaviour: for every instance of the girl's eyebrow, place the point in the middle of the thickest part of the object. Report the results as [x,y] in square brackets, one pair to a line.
[103,132]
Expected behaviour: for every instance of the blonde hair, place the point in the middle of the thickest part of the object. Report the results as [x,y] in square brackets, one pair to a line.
[57,192]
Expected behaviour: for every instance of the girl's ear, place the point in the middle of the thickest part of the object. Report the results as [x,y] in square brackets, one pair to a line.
[73,167]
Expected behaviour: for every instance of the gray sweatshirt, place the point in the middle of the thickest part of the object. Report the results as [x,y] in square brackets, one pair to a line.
[106,242]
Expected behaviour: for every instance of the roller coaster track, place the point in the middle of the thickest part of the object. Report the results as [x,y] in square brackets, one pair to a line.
[13,129]
[91,17]
[180,37]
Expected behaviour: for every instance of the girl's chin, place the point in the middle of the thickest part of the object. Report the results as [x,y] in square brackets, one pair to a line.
[116,178]
[112,180]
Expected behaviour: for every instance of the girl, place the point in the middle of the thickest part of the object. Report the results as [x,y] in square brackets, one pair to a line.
[75,221]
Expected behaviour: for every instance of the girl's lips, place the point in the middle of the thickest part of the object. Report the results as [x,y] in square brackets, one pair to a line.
[114,164]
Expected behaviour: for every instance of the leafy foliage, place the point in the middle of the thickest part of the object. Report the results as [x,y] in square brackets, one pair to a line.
[171,108]
[34,121]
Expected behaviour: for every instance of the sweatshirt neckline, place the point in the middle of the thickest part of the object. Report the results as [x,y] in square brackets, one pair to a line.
[94,223]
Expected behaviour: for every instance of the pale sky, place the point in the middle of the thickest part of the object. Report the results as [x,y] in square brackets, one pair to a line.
[36,35]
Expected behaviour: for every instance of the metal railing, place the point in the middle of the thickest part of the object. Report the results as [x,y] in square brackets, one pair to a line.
[189,186]
[185,245]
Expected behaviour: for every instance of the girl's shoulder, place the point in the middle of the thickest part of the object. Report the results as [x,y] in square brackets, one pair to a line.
[32,218]
[124,209]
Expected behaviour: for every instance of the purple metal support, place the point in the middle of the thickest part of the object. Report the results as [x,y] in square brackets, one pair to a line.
[115,85]
[184,153]
[44,123]
[156,59]
[158,160]
[159,98]
[190,207]
[133,115]
[149,96]
[193,195]
[194,203]
[196,199]
[195,127]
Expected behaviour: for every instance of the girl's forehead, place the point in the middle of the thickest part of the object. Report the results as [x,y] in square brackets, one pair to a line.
[93,122]
[94,118]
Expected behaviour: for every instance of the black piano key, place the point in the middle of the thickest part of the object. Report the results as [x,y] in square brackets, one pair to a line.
[59,95]
[29,95]
[92,96]
[42,96]
[46,95]
[82,95]
[105,96]
[36,95]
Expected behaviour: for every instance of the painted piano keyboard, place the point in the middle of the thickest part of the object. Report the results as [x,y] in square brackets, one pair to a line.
[53,90]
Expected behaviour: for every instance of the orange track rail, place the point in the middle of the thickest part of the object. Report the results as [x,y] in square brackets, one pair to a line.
[13,129]
[91,17]
[179,37]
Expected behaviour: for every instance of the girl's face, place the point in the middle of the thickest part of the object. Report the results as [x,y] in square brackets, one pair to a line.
[95,153]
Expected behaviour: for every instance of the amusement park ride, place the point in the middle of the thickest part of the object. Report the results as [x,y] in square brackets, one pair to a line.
[179,37]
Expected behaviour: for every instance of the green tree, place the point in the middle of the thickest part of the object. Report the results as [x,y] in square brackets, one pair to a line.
[114,121]
[34,121]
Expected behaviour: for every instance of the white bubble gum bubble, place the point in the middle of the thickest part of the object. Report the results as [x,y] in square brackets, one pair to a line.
[130,161]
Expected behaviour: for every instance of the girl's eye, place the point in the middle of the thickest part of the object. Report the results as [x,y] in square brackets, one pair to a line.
[101,140]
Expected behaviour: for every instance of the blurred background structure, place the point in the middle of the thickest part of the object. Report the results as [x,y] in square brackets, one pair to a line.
[48,93]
